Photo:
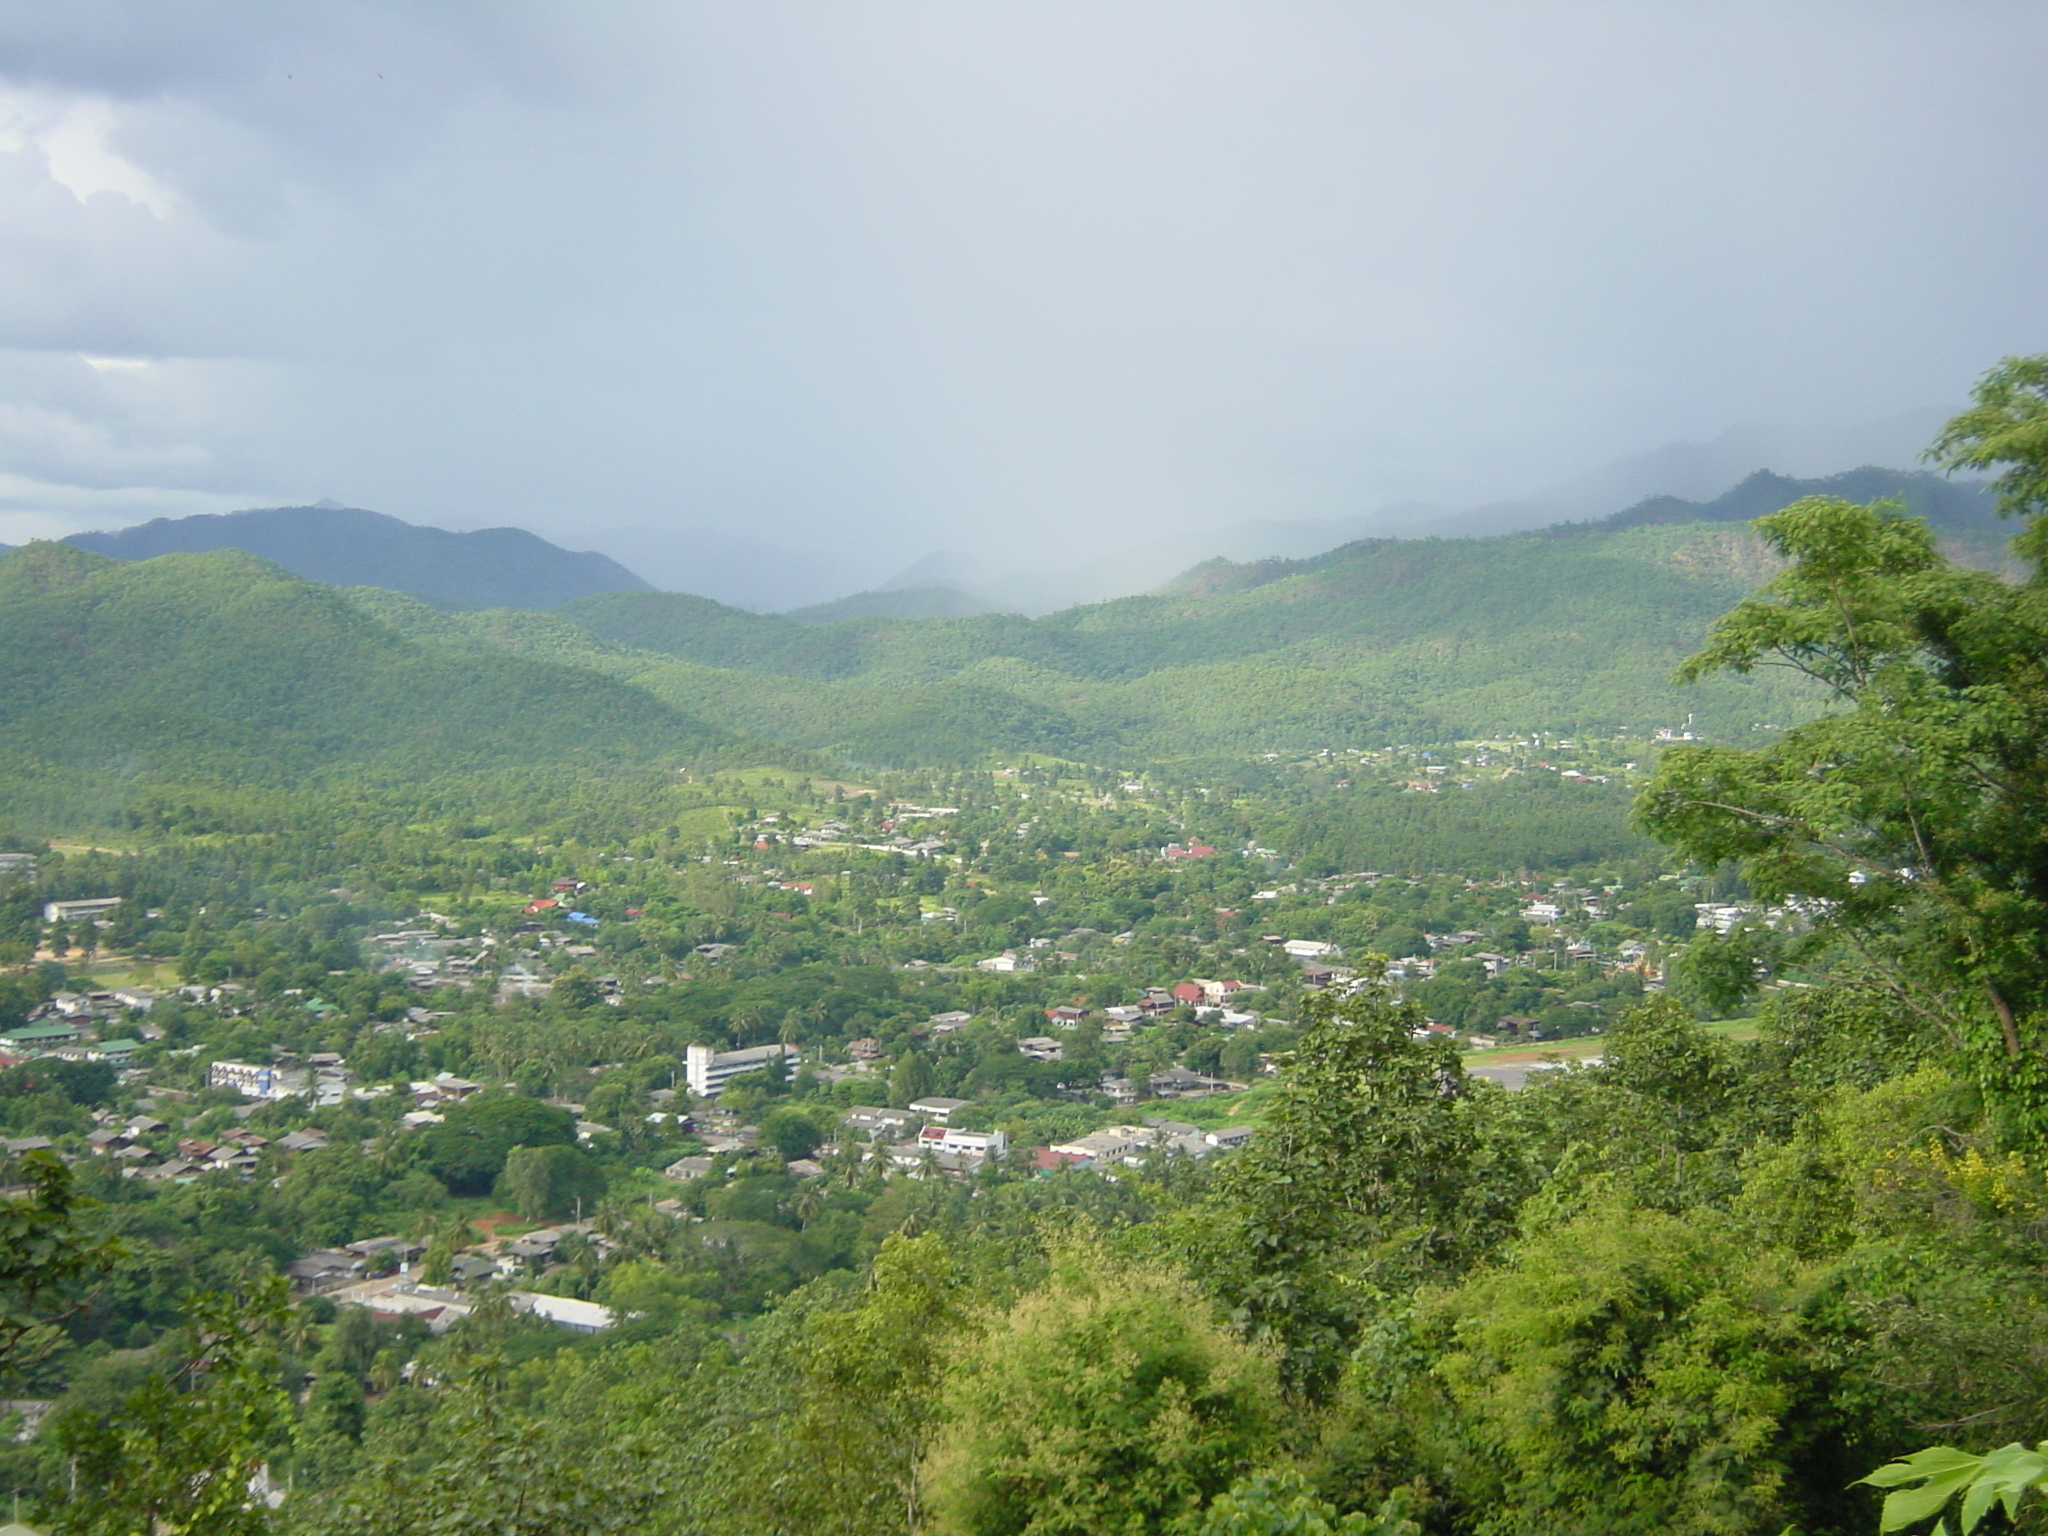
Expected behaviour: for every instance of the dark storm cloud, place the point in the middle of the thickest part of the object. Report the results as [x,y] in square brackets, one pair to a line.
[827,286]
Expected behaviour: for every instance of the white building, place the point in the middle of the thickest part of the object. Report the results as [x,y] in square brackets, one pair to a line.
[1308,949]
[564,1311]
[253,1081]
[1110,1145]
[944,1138]
[72,911]
[709,1071]
[324,1085]
[1722,918]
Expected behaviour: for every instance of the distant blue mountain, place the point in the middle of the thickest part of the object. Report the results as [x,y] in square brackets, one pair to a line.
[348,547]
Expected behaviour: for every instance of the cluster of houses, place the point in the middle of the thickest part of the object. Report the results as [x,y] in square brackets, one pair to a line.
[1212,1002]
[430,959]
[920,1140]
[378,1274]
[137,1144]
[837,834]
[1131,1145]
[83,1026]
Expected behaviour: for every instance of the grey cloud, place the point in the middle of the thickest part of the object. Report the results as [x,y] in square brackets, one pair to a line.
[813,289]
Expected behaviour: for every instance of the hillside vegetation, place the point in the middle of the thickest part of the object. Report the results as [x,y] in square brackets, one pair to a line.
[219,669]
[1421,639]
[346,546]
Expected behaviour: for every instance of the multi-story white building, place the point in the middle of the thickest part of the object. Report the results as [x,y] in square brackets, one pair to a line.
[254,1081]
[708,1071]
[942,1138]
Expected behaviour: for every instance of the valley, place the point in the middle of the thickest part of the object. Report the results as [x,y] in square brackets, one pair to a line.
[637,993]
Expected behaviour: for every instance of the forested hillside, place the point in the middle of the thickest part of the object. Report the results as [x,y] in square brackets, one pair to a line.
[346,546]
[220,670]
[1420,639]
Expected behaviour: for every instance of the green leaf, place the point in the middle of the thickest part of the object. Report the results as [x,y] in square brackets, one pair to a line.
[1921,1464]
[2006,1475]
[1909,1506]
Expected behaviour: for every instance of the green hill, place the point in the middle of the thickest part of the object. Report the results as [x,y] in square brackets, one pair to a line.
[1382,639]
[221,670]
[346,546]
[930,600]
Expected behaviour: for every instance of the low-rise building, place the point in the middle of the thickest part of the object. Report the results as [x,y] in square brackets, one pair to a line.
[324,1269]
[944,1138]
[72,911]
[43,1035]
[874,1121]
[564,1311]
[1112,1144]
[1180,1083]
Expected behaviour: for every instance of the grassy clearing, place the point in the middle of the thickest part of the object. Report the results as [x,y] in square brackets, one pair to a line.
[706,822]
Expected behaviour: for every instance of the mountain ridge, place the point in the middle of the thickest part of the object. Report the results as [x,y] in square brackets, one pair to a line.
[218,669]
[351,547]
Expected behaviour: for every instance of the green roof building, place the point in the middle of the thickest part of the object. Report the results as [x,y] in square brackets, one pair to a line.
[39,1036]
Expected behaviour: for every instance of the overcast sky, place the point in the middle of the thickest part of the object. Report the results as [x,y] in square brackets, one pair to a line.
[848,283]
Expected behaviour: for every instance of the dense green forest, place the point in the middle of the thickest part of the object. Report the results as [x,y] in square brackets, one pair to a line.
[210,668]
[1570,629]
[213,670]
[346,547]
[1768,1221]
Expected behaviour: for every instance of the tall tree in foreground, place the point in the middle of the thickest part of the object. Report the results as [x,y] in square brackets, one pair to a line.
[868,1398]
[180,1457]
[1107,1402]
[46,1251]
[1358,1186]
[1910,820]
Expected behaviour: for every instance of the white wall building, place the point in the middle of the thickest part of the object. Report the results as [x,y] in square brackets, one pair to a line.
[564,1311]
[980,1143]
[254,1081]
[1110,1145]
[709,1071]
[72,911]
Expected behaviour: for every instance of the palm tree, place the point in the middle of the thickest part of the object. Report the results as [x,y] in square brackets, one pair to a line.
[809,1200]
